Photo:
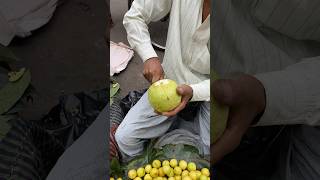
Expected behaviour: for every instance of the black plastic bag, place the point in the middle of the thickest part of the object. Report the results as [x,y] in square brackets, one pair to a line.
[131,99]
[74,114]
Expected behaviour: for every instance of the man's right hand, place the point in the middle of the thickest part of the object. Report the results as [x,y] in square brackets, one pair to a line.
[152,70]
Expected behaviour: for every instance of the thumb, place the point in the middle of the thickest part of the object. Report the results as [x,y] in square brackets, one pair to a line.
[223,91]
[180,90]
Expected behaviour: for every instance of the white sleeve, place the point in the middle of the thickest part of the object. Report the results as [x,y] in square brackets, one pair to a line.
[136,21]
[292,94]
[201,91]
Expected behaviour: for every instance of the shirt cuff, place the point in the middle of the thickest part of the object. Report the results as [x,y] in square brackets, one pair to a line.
[277,97]
[146,51]
[201,91]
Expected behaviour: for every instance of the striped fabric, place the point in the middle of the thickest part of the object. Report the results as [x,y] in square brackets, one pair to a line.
[298,19]
[28,152]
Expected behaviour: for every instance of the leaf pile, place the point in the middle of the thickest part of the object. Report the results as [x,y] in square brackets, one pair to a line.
[13,91]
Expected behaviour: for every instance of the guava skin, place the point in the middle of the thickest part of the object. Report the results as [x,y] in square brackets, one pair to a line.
[163,95]
[219,116]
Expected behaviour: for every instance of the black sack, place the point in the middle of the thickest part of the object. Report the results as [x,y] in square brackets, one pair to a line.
[74,114]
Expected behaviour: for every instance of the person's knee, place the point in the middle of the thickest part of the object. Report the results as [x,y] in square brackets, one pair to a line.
[123,136]
[120,136]
[128,144]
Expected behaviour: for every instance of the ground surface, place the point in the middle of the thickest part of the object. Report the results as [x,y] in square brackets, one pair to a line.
[67,55]
[131,78]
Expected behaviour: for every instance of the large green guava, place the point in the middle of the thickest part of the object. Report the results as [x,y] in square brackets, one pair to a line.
[163,95]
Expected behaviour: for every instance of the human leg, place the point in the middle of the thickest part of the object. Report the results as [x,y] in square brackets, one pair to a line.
[140,124]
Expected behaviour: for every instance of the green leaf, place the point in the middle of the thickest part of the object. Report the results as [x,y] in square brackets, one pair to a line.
[6,55]
[16,75]
[219,117]
[146,158]
[114,89]
[116,169]
[13,91]
[4,125]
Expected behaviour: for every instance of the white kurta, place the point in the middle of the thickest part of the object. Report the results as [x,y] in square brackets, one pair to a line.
[187,55]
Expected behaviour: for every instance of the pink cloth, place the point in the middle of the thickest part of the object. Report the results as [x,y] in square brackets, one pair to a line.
[120,55]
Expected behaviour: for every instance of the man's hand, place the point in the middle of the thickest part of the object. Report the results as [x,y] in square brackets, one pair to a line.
[186,94]
[246,98]
[152,70]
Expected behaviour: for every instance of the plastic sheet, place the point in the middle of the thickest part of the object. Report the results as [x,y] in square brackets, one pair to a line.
[120,55]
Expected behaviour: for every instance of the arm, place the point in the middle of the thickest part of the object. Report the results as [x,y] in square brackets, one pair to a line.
[136,21]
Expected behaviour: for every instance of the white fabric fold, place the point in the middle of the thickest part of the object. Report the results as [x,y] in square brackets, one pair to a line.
[19,18]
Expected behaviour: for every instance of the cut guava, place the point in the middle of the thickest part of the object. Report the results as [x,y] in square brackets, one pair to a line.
[163,95]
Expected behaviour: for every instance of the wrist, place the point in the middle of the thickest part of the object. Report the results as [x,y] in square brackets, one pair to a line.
[261,102]
[191,92]
[152,59]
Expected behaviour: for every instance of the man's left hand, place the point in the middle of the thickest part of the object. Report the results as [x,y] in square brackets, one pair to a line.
[186,92]
[245,96]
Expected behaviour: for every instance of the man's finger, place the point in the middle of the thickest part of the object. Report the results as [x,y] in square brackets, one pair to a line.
[226,144]
[157,112]
[232,136]
[146,75]
[155,78]
[150,77]
[176,110]
[180,91]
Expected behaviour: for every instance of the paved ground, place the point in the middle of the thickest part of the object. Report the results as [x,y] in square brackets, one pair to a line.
[131,78]
[67,55]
